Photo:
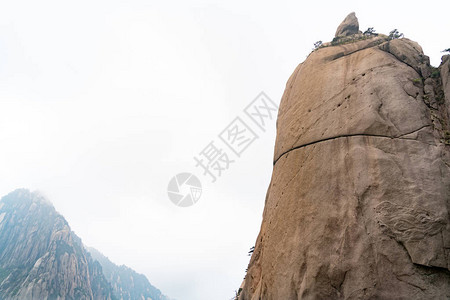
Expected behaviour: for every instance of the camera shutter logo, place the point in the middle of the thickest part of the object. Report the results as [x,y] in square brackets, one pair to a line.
[184,189]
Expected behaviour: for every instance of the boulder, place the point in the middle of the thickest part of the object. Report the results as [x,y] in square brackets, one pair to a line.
[349,26]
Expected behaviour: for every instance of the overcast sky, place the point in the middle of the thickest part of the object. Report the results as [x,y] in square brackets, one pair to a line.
[102,102]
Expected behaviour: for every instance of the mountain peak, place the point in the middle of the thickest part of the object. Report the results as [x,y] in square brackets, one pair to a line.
[349,26]
[22,195]
[42,258]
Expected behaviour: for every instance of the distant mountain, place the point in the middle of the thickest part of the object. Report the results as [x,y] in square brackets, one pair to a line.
[41,258]
[125,282]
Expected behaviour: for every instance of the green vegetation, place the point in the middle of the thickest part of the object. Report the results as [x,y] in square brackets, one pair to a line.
[435,73]
[417,80]
[343,40]
[446,50]
[440,97]
[370,31]
[351,39]
[236,297]
[394,34]
[446,139]
[335,41]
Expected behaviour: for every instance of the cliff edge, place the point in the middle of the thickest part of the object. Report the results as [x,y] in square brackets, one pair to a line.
[358,205]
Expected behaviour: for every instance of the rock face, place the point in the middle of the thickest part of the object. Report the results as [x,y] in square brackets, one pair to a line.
[445,75]
[41,258]
[358,206]
[349,26]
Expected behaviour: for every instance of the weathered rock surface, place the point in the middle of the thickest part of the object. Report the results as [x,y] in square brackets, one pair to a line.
[358,206]
[349,26]
[445,75]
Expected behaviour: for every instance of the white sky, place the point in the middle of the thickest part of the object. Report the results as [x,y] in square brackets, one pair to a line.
[102,102]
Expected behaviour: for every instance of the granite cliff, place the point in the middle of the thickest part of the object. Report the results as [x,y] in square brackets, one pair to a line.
[358,205]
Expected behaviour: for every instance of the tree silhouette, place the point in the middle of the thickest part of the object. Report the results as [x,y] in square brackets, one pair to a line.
[394,34]
[317,45]
[370,31]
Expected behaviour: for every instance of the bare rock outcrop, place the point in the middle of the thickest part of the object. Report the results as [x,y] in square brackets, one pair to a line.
[358,206]
[349,26]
